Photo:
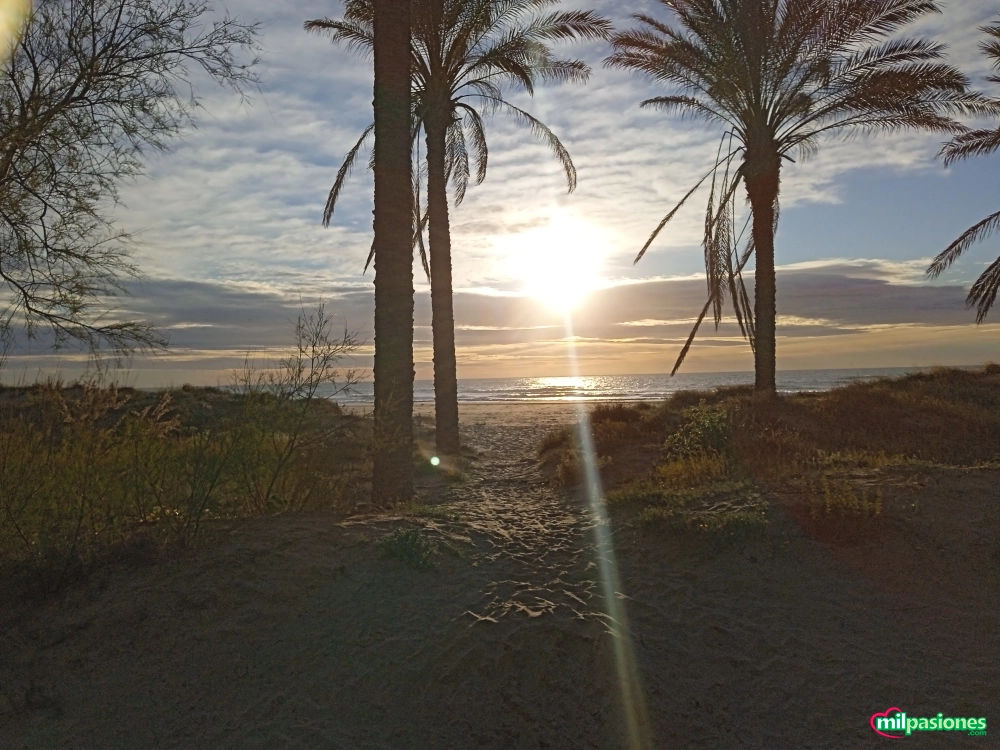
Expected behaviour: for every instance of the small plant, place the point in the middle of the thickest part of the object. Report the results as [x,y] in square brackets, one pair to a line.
[706,429]
[569,472]
[838,498]
[616,413]
[727,523]
[655,515]
[610,435]
[284,423]
[411,547]
[693,470]
[553,442]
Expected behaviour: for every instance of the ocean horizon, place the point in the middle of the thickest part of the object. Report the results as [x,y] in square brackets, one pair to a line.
[627,387]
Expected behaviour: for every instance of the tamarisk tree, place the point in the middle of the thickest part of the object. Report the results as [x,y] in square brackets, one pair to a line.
[89,89]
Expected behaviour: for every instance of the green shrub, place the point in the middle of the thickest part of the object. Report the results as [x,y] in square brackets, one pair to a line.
[412,547]
[707,428]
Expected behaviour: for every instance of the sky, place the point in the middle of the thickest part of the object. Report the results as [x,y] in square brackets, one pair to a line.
[231,247]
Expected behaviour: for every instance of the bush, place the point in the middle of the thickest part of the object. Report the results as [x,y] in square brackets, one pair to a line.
[553,442]
[707,428]
[87,472]
[83,481]
[616,413]
[693,470]
[411,547]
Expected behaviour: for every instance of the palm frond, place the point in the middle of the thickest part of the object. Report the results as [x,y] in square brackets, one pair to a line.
[343,173]
[991,47]
[971,143]
[543,133]
[675,209]
[970,237]
[690,339]
[708,305]
[984,292]
[358,37]
[685,105]
[480,148]
[570,25]
[457,155]
[421,215]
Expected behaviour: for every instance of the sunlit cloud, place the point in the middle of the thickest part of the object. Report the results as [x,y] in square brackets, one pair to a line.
[230,241]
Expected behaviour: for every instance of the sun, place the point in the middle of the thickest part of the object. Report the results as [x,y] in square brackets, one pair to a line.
[560,264]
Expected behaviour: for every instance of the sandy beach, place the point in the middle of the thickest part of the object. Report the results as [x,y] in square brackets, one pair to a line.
[293,632]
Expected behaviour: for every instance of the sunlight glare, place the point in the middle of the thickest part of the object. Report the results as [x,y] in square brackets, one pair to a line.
[560,264]
[13,14]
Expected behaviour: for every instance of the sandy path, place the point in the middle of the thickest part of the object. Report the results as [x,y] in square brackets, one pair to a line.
[291,632]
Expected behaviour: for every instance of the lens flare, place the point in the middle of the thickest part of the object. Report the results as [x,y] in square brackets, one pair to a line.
[632,697]
[13,15]
[435,461]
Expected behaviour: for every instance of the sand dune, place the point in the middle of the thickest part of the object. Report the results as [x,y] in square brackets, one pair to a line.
[293,632]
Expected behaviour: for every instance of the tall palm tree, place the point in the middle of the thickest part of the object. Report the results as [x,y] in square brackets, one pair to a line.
[976,143]
[392,477]
[776,75]
[466,55]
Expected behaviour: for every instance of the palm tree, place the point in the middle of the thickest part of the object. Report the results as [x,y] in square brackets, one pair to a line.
[466,55]
[976,143]
[776,75]
[392,476]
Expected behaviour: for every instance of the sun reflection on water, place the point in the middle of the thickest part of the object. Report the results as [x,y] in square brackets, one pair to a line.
[565,388]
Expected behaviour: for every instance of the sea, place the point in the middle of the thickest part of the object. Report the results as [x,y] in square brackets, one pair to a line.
[624,387]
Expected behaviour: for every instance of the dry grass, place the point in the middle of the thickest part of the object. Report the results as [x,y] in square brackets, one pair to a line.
[705,452]
[89,473]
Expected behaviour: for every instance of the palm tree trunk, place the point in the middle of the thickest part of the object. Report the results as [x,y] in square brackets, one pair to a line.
[442,306]
[762,190]
[392,477]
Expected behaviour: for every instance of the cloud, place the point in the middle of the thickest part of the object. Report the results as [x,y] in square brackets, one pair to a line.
[240,198]
[824,310]
[229,235]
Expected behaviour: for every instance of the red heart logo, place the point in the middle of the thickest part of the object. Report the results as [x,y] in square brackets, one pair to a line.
[885,714]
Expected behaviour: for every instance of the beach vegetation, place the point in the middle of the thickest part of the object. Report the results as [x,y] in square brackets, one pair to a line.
[412,547]
[627,413]
[569,470]
[827,455]
[553,441]
[92,472]
[736,523]
[706,431]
